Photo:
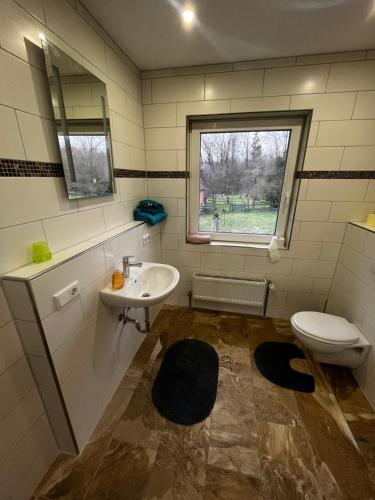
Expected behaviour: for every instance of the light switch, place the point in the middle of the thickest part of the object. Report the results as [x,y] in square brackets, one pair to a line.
[66,295]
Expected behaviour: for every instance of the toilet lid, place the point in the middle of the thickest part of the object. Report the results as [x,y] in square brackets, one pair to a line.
[326,327]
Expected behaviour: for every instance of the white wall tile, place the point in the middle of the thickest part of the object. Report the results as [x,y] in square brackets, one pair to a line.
[68,230]
[358,158]
[225,262]
[346,133]
[161,160]
[327,158]
[11,143]
[160,115]
[353,211]
[364,105]
[68,357]
[15,383]
[31,338]
[43,197]
[330,251]
[178,89]
[165,138]
[132,189]
[167,188]
[293,283]
[19,300]
[333,190]
[277,103]
[351,76]
[355,237]
[303,250]
[234,85]
[62,324]
[326,106]
[322,285]
[146,92]
[185,109]
[12,348]
[16,424]
[296,80]
[119,214]
[39,138]
[21,86]
[65,21]
[5,315]
[313,134]
[322,231]
[85,268]
[370,193]
[312,210]
[178,258]
[15,245]
[315,268]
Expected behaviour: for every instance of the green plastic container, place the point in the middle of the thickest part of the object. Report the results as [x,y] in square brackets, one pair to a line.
[41,252]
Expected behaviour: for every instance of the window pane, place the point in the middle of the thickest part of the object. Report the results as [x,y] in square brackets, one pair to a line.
[241,179]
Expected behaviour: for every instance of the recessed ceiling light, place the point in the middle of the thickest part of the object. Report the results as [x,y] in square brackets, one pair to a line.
[188,15]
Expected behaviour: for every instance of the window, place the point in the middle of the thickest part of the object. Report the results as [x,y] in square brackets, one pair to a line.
[241,177]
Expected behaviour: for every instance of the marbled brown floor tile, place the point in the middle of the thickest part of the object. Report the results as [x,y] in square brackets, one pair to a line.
[228,485]
[70,477]
[123,473]
[362,426]
[286,465]
[273,403]
[205,332]
[333,443]
[234,427]
[262,330]
[180,466]
[234,458]
[141,423]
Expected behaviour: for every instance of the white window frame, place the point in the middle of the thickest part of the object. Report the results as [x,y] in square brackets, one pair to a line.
[292,123]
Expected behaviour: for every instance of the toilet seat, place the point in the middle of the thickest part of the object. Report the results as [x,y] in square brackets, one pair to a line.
[325,328]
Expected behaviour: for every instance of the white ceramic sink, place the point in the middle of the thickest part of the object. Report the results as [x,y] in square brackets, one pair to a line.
[147,285]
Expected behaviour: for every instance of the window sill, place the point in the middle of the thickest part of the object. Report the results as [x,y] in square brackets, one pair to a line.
[242,244]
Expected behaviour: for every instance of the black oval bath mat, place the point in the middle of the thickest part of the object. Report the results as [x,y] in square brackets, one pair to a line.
[273,362]
[185,387]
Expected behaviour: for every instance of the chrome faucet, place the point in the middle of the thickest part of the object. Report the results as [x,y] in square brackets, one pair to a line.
[126,264]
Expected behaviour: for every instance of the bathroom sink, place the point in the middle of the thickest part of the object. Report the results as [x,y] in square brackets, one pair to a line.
[147,285]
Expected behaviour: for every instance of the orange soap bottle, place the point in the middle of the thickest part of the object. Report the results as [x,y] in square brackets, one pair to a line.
[118,280]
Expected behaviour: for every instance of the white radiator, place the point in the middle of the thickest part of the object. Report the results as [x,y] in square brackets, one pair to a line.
[230,294]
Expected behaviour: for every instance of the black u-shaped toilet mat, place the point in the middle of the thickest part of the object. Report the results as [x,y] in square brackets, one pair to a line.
[273,362]
[185,387]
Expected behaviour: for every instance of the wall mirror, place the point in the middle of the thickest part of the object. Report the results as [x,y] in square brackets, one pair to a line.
[80,107]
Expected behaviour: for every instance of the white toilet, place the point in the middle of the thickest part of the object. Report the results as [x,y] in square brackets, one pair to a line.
[331,339]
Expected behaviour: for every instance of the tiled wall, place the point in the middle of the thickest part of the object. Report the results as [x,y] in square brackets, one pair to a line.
[340,88]
[353,295]
[38,208]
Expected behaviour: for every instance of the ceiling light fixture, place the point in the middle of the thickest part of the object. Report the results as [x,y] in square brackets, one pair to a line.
[188,15]
[42,36]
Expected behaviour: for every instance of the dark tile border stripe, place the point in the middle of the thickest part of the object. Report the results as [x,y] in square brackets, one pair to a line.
[126,172]
[168,174]
[27,168]
[336,174]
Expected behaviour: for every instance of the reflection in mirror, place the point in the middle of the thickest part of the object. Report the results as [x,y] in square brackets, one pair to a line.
[79,101]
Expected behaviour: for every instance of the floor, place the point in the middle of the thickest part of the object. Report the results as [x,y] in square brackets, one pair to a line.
[260,441]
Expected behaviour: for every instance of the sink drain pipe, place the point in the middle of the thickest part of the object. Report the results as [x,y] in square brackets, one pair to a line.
[125,318]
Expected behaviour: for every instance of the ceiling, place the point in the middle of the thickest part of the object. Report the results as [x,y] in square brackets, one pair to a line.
[151,32]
